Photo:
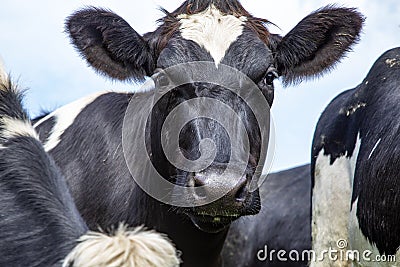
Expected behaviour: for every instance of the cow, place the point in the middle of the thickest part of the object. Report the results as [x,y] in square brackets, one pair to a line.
[40,224]
[283,224]
[356,192]
[93,141]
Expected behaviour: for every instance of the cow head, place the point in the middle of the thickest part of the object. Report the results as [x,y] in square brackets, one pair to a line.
[223,33]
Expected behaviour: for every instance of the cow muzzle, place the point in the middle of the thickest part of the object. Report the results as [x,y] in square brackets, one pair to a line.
[234,198]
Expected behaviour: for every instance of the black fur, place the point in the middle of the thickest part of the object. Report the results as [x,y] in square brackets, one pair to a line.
[39,223]
[330,134]
[97,161]
[11,105]
[376,182]
[42,114]
[226,6]
[46,127]
[109,44]
[317,42]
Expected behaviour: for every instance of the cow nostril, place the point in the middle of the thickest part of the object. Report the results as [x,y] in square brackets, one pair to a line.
[199,183]
[240,195]
[200,192]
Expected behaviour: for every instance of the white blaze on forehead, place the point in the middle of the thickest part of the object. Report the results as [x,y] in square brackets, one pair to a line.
[212,30]
[64,117]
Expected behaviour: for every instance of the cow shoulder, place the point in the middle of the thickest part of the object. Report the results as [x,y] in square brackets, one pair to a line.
[334,153]
[88,112]
[375,192]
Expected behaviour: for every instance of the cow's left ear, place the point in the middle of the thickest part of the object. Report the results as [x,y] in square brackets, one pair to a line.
[318,42]
[110,45]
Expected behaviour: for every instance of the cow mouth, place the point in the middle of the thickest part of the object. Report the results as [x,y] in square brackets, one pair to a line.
[212,223]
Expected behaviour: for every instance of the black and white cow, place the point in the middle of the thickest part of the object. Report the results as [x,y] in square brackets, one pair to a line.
[356,189]
[39,222]
[85,137]
[283,224]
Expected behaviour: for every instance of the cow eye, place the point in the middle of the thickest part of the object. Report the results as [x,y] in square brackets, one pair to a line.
[270,77]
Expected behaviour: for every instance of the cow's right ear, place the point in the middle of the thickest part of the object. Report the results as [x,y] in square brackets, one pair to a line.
[110,45]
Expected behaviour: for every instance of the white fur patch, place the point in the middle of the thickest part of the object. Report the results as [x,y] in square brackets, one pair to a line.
[212,30]
[65,117]
[16,127]
[331,203]
[13,127]
[135,248]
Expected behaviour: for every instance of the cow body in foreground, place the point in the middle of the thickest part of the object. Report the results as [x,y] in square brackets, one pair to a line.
[356,185]
[86,137]
[40,225]
[284,223]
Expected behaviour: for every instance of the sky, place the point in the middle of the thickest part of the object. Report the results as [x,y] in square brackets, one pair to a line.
[38,54]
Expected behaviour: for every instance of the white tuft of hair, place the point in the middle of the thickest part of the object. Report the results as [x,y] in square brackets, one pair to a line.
[136,248]
[15,127]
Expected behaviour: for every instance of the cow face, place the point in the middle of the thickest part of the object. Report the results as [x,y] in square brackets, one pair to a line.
[225,35]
